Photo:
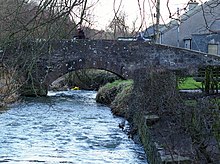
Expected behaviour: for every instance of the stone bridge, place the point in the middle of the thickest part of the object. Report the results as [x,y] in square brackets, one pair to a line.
[47,61]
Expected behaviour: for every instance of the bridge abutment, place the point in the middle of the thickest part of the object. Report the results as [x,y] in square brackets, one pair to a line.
[32,89]
[32,83]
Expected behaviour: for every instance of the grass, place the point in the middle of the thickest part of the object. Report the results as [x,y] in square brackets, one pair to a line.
[189,83]
[117,82]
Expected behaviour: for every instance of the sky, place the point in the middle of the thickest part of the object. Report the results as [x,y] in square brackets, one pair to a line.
[104,11]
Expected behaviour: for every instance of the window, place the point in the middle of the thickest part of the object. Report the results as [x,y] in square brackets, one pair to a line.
[213,49]
[187,43]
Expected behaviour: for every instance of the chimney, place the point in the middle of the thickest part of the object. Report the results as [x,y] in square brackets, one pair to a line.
[192,4]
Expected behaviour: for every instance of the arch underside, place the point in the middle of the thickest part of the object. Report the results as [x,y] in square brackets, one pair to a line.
[68,67]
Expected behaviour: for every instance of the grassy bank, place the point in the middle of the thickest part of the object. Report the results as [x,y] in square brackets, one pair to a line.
[179,126]
[189,83]
[114,93]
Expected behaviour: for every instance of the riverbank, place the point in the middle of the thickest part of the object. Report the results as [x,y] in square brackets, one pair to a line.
[176,127]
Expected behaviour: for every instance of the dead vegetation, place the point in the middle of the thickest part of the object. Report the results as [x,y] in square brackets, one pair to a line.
[8,86]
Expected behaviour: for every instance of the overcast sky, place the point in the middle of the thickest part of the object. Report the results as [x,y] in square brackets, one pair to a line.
[104,10]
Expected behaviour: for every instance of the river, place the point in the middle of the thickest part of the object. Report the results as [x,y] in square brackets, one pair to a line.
[65,127]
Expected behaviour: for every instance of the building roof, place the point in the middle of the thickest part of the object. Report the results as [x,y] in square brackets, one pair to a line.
[188,14]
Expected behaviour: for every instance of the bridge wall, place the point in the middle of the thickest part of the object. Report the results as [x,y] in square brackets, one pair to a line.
[44,62]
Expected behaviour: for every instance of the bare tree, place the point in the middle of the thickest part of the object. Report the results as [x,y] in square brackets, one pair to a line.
[118,25]
[34,21]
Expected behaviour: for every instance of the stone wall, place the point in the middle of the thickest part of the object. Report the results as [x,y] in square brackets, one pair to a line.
[44,62]
[153,107]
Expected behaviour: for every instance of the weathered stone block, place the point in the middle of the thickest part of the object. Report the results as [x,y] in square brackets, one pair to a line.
[151,119]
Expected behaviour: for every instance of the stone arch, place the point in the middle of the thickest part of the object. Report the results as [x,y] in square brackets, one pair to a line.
[115,68]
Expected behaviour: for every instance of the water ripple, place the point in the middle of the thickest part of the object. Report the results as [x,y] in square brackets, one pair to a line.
[66,127]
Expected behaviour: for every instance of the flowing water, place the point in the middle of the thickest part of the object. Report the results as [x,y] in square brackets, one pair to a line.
[65,127]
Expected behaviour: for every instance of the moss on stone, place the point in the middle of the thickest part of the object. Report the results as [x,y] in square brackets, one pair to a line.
[119,105]
[110,91]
